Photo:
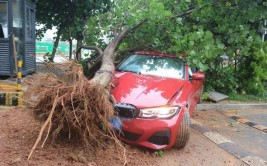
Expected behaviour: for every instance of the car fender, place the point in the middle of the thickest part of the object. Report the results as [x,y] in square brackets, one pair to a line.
[182,97]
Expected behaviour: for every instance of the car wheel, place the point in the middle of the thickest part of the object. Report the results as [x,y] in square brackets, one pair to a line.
[184,131]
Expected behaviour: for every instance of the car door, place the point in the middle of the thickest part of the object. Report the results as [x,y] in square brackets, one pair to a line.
[195,90]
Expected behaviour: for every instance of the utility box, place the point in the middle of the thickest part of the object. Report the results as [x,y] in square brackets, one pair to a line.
[17,36]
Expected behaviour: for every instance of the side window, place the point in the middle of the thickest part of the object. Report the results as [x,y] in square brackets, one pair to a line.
[3,20]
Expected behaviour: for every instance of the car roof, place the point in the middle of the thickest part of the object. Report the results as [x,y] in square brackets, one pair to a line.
[155,53]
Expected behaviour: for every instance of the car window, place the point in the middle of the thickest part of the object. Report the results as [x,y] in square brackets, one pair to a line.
[161,66]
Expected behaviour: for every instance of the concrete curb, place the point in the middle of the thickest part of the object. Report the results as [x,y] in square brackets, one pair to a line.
[200,107]
[247,157]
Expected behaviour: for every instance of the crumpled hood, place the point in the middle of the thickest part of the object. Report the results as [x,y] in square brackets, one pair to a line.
[144,90]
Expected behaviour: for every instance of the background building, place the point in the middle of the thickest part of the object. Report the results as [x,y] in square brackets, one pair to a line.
[17,36]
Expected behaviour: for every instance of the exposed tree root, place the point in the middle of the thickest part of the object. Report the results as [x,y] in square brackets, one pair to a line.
[75,107]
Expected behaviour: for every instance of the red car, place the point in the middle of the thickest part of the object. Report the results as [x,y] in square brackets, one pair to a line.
[155,95]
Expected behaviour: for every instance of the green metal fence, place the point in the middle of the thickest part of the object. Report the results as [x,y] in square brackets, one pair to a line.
[44,47]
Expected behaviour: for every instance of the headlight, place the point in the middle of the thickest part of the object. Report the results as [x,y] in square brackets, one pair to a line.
[160,112]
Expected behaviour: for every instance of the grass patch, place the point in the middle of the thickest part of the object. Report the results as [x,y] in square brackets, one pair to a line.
[246,97]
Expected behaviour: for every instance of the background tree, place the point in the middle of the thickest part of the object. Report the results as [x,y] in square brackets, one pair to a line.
[204,30]
[68,16]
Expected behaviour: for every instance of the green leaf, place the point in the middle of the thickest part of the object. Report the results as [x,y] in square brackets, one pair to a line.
[220,45]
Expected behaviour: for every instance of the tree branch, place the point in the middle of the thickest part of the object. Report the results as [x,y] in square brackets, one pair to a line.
[193,9]
[90,48]
[105,73]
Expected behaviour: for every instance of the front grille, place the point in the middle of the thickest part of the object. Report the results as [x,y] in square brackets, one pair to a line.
[130,136]
[126,110]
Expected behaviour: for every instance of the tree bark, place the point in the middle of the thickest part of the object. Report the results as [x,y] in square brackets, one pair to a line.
[79,44]
[100,52]
[70,44]
[79,37]
[105,73]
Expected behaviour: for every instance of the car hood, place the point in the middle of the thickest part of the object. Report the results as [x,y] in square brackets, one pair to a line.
[144,90]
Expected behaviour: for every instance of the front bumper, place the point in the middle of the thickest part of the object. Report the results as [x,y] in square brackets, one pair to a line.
[151,133]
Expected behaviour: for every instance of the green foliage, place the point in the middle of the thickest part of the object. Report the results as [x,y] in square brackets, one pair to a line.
[83,62]
[203,30]
[48,57]
[205,96]
[220,79]
[67,14]
[234,124]
[88,60]
[252,71]
[159,153]
[245,97]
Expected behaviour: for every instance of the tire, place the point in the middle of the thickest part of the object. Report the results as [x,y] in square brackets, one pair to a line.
[184,132]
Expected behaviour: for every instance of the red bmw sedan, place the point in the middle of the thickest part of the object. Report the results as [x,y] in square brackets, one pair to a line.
[155,93]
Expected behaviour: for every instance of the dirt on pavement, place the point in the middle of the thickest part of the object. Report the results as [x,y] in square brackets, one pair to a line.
[19,130]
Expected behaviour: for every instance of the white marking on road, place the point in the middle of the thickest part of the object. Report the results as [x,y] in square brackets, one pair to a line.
[254,161]
[217,138]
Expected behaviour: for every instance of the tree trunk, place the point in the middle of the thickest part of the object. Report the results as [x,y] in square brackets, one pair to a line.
[105,73]
[56,42]
[79,37]
[70,49]
[70,44]
[79,44]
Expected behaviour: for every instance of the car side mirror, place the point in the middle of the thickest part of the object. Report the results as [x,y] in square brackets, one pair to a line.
[198,76]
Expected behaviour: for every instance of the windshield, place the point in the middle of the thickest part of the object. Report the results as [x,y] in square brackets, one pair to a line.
[161,66]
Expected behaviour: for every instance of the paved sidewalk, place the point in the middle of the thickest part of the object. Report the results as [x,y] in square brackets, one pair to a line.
[228,145]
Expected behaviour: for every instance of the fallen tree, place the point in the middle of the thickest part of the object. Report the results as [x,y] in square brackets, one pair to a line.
[79,108]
